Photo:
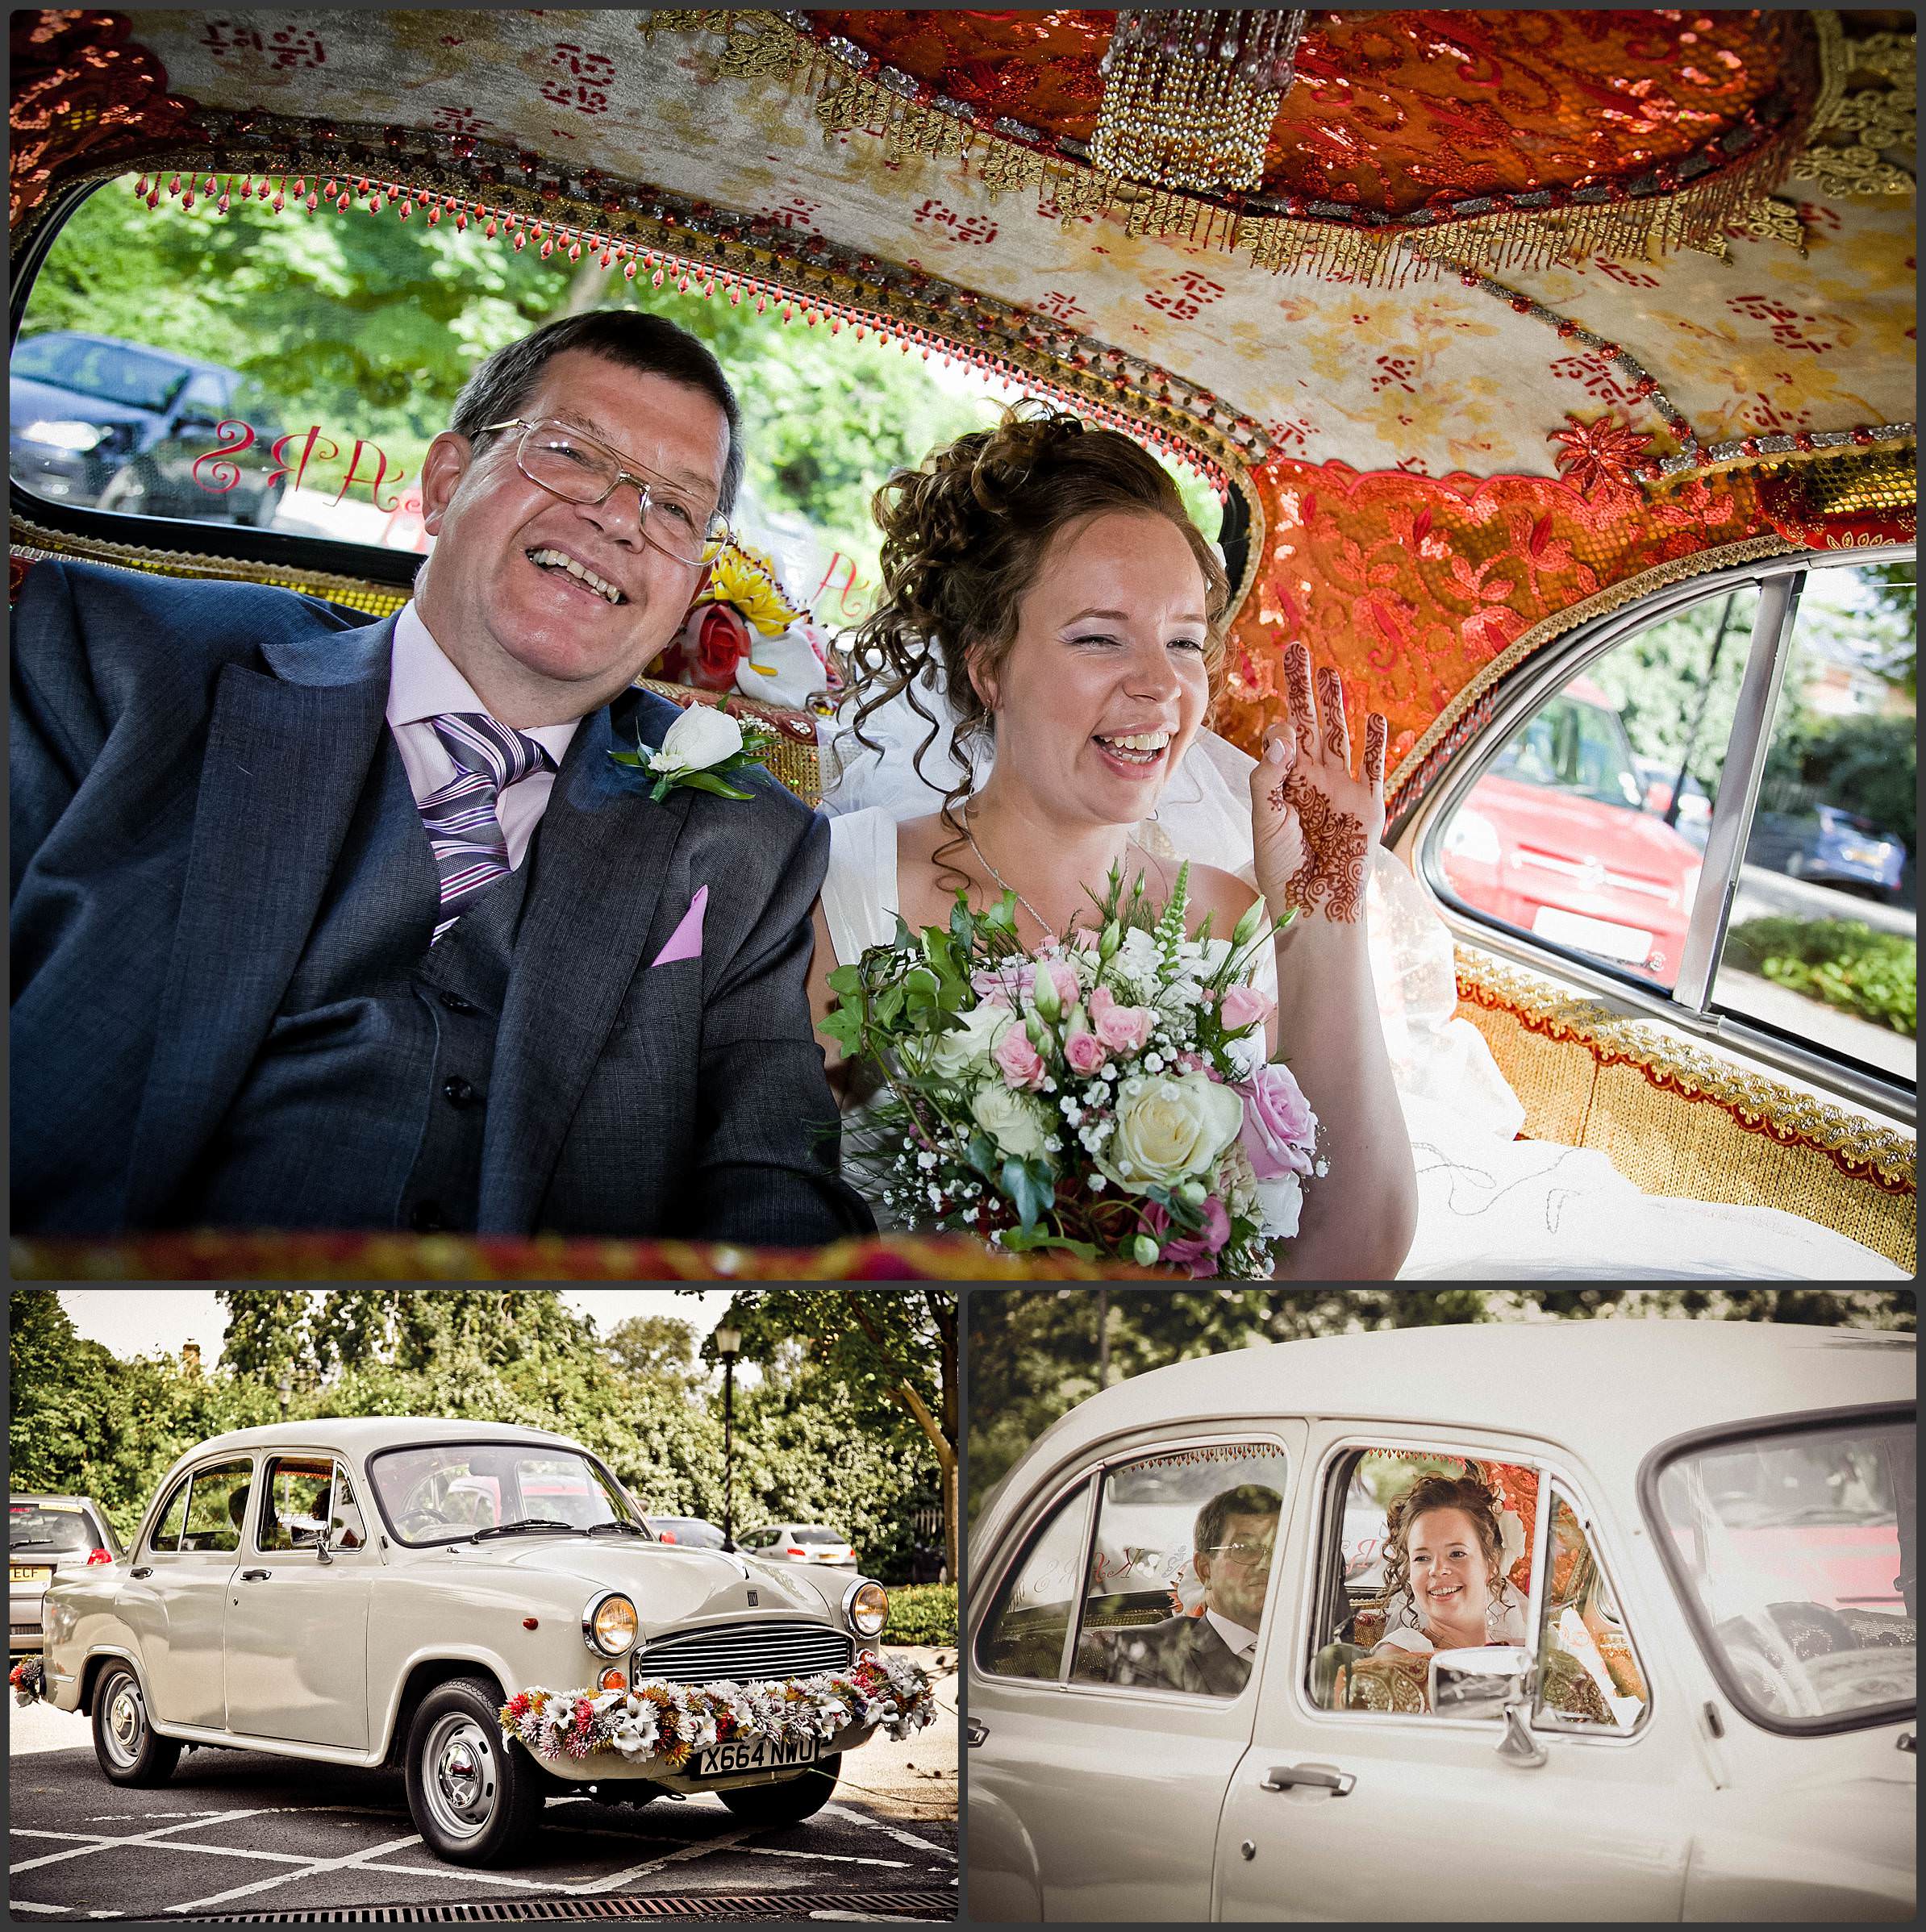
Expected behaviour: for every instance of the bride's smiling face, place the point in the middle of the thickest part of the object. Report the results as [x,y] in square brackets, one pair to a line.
[1105,684]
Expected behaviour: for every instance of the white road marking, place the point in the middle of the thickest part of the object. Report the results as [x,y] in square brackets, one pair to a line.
[828,1857]
[100,1843]
[673,1858]
[309,1869]
[456,1871]
[139,1837]
[21,1904]
[895,1831]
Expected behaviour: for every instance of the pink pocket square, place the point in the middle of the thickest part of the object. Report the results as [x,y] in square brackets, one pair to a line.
[686,942]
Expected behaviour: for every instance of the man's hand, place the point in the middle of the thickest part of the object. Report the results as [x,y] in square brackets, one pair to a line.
[1313,824]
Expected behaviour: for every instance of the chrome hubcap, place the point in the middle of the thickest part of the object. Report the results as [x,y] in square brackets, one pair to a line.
[462,1782]
[126,1722]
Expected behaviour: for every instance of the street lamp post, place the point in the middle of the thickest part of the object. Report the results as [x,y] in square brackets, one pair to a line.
[729,1342]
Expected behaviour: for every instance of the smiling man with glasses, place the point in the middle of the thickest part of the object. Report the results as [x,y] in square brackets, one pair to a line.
[1210,1653]
[322,925]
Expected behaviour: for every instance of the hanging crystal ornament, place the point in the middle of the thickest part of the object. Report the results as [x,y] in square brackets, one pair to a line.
[1190,96]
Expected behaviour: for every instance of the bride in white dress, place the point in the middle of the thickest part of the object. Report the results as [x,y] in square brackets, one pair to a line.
[1045,597]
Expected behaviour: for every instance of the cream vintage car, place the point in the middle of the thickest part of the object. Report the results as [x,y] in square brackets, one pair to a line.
[1198,1687]
[484,1606]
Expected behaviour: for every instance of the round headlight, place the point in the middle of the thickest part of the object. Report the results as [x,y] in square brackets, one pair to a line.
[610,1624]
[867,1606]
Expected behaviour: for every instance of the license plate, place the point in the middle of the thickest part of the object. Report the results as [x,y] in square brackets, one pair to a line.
[28,1572]
[753,1754]
[1603,936]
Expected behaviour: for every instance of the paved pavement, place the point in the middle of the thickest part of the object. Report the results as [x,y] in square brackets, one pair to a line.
[247,1831]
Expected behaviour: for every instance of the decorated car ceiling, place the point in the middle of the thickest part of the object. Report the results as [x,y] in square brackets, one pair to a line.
[1521,309]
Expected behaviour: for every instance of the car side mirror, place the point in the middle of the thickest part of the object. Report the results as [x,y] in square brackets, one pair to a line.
[1491,1680]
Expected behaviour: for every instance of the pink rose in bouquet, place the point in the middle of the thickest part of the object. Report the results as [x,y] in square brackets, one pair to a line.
[1279,1128]
[1245,1006]
[1021,1064]
[1084,1052]
[1122,1029]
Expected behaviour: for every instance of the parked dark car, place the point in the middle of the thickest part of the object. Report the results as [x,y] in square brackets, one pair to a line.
[115,425]
[45,1534]
[692,1532]
[1830,847]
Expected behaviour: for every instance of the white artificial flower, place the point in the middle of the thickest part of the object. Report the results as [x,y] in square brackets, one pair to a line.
[1279,1203]
[704,735]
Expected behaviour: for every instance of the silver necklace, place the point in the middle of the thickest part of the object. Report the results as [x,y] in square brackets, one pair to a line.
[1050,930]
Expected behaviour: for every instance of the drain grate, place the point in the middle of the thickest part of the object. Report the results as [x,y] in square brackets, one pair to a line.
[509,1911]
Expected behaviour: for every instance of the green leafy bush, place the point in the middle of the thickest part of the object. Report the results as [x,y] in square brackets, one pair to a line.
[922,1613]
[1843,962]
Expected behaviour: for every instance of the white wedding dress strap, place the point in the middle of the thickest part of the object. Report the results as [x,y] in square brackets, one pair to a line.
[859,890]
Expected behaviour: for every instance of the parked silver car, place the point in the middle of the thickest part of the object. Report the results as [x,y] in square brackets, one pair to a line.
[482,1605]
[44,1535]
[1672,1676]
[799,1543]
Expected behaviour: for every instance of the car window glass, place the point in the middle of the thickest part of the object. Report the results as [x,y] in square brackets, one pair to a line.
[347,1530]
[443,1491]
[1822,940]
[1588,1673]
[1799,1550]
[1029,1622]
[217,1506]
[296,1504]
[1588,829]
[1424,1555]
[206,395]
[172,1519]
[49,1529]
[1180,1569]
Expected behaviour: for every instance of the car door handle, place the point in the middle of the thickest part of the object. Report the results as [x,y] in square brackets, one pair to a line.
[975,1732]
[1320,1777]
[256,1575]
[145,1570]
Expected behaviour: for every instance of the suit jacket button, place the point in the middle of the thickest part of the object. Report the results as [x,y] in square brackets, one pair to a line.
[425,1218]
[459,1093]
[455,1004]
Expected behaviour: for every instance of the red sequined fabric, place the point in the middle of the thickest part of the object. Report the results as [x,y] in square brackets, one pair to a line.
[1399,110]
[1410,586]
[81,89]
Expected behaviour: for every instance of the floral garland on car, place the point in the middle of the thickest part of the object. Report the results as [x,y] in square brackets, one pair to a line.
[663,1723]
[29,1678]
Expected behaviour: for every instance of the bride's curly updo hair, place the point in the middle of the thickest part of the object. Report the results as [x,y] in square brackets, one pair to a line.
[964,537]
[1465,1493]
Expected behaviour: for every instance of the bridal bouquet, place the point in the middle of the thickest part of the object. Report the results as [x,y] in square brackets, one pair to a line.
[1106,1094]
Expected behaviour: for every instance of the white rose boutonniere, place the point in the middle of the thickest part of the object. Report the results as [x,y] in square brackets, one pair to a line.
[702,744]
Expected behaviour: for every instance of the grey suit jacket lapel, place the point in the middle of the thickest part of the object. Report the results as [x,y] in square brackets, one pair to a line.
[600,859]
[287,754]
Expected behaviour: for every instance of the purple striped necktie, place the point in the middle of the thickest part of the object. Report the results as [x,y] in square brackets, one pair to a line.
[470,847]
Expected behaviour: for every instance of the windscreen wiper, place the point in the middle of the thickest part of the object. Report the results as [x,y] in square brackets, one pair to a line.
[527,1522]
[617,1527]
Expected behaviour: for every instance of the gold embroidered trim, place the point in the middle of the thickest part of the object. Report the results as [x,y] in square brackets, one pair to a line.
[1676,570]
[1869,118]
[758,44]
[1689,1069]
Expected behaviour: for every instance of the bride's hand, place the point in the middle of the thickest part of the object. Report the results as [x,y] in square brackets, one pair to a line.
[1313,824]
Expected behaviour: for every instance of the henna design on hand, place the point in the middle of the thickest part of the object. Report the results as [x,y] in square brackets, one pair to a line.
[1297,688]
[1335,851]
[1331,707]
[1377,732]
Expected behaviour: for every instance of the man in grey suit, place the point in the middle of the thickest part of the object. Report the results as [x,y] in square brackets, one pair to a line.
[1209,1655]
[325,927]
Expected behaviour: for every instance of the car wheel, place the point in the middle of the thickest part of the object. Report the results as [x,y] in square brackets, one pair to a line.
[790,1802]
[474,1795]
[130,1749]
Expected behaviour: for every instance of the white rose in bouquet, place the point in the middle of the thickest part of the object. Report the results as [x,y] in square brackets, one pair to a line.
[702,736]
[1014,1121]
[952,1054]
[1280,1202]
[1169,1127]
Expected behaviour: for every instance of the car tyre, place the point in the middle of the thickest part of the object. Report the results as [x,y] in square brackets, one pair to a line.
[130,1751]
[790,1802]
[474,1795]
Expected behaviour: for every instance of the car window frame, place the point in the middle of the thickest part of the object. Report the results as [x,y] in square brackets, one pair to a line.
[1035,1524]
[482,1440]
[190,1476]
[1543,1720]
[283,1453]
[1328,1493]
[1689,1003]
[1710,1651]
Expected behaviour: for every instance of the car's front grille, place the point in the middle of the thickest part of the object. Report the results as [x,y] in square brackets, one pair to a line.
[744,1651]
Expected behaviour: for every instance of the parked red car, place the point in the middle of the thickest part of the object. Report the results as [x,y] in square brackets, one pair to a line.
[1555,838]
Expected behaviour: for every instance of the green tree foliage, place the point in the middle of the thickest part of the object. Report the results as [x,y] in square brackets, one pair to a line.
[1034,1352]
[651,1346]
[1665,677]
[891,1352]
[1844,962]
[1864,763]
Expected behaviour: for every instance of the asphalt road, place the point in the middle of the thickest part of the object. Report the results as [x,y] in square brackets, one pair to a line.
[246,1831]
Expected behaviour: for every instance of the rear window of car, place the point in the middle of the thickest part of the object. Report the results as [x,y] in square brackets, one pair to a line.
[817,1539]
[52,1528]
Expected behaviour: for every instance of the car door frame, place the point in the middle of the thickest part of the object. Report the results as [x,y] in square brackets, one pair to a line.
[1361,1742]
[1688,1005]
[1057,1701]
